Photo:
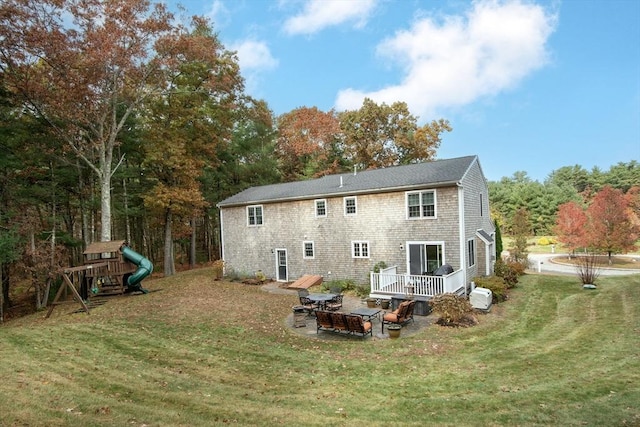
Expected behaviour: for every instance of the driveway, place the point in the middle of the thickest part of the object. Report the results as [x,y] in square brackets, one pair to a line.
[544,263]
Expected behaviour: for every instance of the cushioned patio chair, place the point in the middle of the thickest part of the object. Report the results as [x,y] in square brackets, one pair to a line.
[339,322]
[399,315]
[309,306]
[303,292]
[324,321]
[335,303]
[358,326]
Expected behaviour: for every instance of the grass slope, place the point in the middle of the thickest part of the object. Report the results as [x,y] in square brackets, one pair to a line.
[199,352]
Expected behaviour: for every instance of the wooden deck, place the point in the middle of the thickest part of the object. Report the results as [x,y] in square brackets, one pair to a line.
[306,281]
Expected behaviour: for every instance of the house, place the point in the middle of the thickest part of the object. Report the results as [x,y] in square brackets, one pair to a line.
[413,218]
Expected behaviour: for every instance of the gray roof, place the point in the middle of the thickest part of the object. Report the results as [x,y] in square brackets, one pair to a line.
[436,173]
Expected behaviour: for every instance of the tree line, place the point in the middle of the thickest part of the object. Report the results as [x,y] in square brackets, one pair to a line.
[541,201]
[119,121]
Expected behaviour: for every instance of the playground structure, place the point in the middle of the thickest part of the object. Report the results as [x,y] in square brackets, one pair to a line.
[110,268]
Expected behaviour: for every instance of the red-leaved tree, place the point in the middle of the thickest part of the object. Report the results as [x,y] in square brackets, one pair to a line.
[570,225]
[609,227]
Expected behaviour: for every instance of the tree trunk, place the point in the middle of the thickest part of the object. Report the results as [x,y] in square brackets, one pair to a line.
[192,249]
[169,265]
[105,203]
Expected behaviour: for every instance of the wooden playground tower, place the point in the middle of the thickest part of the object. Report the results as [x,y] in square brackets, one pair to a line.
[107,270]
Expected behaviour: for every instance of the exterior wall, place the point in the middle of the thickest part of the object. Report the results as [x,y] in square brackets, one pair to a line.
[381,220]
[477,217]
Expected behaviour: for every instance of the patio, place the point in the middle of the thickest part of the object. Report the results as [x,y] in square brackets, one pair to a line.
[349,304]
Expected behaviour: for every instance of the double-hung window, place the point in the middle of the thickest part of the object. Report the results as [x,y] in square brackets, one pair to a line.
[360,249]
[321,208]
[308,251]
[421,204]
[254,215]
[350,206]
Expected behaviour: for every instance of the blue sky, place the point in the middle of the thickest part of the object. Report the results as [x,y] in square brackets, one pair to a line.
[527,85]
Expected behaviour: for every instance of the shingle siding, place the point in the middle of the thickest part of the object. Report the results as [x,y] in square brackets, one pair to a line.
[381,220]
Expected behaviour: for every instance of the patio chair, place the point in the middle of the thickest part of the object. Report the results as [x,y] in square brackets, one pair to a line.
[339,322]
[303,292]
[359,326]
[324,321]
[309,306]
[399,315]
[335,303]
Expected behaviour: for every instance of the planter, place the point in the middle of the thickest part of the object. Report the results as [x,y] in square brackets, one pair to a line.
[371,302]
[385,304]
[394,331]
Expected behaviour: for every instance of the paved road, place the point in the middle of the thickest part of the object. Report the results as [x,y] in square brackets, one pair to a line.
[543,263]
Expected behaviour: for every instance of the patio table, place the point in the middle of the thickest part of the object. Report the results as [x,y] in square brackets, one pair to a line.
[321,299]
[367,313]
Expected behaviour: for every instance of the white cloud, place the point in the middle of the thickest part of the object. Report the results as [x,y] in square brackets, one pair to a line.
[460,59]
[254,55]
[320,14]
[254,58]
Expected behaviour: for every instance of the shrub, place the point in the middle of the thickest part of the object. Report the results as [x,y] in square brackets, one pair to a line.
[509,271]
[362,290]
[543,241]
[343,285]
[380,265]
[451,308]
[496,285]
[218,269]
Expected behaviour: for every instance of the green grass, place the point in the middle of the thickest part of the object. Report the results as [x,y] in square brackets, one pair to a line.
[199,352]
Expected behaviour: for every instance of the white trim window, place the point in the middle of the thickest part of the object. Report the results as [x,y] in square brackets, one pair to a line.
[308,250]
[471,252]
[254,216]
[321,208]
[421,204]
[360,249]
[350,206]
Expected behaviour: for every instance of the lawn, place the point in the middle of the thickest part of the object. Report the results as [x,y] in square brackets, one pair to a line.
[196,352]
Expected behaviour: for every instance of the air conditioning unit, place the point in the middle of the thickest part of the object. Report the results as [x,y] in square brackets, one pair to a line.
[481,298]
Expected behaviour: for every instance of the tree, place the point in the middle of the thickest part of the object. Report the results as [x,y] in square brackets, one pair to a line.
[570,225]
[84,79]
[385,135]
[609,226]
[309,143]
[186,124]
[521,229]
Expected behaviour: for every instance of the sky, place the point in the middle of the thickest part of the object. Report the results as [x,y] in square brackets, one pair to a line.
[528,86]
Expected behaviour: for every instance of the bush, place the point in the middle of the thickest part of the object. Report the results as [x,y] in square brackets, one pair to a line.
[509,271]
[218,269]
[451,308]
[342,285]
[362,290]
[380,265]
[496,285]
[543,241]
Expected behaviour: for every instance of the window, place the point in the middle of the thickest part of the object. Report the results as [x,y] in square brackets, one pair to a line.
[471,252]
[481,205]
[360,249]
[254,215]
[350,206]
[308,250]
[421,204]
[321,208]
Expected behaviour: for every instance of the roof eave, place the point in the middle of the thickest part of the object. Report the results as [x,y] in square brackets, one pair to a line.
[341,193]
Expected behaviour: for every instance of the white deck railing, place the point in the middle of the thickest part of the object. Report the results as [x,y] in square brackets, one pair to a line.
[388,282]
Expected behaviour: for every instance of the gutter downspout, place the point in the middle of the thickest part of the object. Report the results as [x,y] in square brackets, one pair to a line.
[461,235]
[221,235]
